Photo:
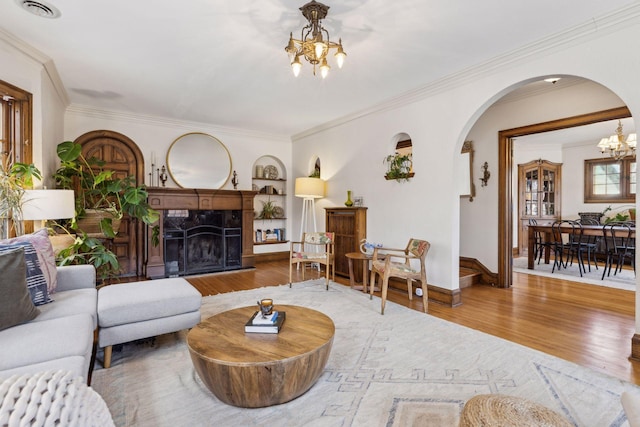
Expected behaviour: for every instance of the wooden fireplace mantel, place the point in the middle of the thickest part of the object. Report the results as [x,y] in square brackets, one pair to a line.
[161,199]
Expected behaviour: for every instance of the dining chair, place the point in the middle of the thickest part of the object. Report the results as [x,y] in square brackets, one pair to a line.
[408,264]
[313,248]
[566,235]
[589,244]
[620,245]
[539,242]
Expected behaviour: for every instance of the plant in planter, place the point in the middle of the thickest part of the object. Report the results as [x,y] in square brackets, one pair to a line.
[399,166]
[268,210]
[99,192]
[14,180]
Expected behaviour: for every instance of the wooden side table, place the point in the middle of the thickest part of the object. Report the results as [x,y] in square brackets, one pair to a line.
[365,270]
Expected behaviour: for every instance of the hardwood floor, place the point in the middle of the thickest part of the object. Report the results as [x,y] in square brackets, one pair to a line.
[591,326]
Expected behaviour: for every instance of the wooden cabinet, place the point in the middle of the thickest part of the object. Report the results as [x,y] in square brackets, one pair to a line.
[539,196]
[350,227]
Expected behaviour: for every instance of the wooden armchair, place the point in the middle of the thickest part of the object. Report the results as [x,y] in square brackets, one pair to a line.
[386,263]
[315,248]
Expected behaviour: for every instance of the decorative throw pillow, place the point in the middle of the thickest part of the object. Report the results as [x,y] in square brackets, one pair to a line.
[15,304]
[40,241]
[36,284]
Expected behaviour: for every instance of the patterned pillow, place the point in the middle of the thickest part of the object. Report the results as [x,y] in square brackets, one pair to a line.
[36,284]
[40,241]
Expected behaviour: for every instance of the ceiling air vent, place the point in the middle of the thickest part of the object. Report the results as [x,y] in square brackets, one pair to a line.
[39,8]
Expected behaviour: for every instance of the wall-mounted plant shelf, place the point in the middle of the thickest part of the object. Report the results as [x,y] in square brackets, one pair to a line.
[400,178]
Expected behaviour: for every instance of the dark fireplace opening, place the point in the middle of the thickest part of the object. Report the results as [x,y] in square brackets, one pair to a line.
[202,241]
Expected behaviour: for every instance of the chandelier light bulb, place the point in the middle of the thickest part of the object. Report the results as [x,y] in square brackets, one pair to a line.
[340,55]
[320,48]
[296,65]
[324,68]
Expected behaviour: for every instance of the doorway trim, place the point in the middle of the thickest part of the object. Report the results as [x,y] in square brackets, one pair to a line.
[505,172]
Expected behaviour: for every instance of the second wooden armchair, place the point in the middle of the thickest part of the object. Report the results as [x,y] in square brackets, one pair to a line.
[389,262]
[314,248]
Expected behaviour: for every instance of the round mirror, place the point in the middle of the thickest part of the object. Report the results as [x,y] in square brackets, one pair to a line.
[198,160]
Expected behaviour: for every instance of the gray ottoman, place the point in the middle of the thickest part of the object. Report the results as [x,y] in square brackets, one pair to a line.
[131,311]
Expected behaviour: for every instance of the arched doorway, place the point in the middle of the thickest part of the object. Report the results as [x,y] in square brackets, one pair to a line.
[505,184]
[123,156]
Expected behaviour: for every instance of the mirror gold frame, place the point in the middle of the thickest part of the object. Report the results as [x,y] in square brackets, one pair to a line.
[199,160]
[467,187]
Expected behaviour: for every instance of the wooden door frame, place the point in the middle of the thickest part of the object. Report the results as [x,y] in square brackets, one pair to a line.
[505,181]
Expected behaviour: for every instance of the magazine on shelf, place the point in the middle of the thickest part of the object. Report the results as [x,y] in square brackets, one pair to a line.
[273,327]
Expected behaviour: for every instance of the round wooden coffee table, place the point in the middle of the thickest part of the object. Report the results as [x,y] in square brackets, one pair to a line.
[254,370]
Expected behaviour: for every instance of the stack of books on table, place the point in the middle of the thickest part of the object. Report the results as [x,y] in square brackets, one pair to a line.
[270,324]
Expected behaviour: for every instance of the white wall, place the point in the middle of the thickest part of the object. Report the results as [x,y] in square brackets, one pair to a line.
[438,122]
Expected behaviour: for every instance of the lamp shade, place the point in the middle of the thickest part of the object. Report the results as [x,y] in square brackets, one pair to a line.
[48,204]
[309,188]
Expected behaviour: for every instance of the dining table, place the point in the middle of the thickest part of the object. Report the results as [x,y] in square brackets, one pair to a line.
[545,230]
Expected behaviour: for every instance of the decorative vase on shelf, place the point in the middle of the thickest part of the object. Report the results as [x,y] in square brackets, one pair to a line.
[349,202]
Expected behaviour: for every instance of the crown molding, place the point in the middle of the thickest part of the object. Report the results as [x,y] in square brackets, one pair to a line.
[41,59]
[609,23]
[189,126]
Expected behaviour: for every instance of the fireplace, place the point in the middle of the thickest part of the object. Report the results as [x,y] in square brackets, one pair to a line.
[201,241]
[200,231]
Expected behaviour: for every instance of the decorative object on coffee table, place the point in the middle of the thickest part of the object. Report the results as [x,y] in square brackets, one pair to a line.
[281,366]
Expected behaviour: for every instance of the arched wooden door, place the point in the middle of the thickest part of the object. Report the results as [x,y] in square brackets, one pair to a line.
[123,156]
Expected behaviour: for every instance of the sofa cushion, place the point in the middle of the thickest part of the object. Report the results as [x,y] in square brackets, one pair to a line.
[36,283]
[16,306]
[126,303]
[40,241]
[69,303]
[38,342]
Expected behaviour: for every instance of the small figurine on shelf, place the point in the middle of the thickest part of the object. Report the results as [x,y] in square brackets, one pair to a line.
[234,180]
[163,176]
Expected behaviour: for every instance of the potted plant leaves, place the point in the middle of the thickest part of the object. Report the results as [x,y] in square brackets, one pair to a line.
[399,167]
[99,192]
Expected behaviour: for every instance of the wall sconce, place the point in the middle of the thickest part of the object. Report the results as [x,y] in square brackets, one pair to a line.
[485,174]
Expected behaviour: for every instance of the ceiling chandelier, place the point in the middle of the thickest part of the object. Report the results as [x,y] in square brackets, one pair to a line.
[617,145]
[314,43]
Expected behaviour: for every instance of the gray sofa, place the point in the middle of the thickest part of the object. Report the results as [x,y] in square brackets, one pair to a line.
[61,336]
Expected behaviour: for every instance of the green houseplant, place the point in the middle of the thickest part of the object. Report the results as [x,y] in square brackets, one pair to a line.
[399,166]
[99,191]
[14,180]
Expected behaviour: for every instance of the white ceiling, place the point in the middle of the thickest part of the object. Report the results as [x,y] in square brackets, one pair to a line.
[223,62]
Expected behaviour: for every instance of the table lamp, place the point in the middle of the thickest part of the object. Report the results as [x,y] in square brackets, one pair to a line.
[43,205]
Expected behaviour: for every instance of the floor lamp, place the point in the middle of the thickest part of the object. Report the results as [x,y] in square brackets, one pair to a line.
[309,189]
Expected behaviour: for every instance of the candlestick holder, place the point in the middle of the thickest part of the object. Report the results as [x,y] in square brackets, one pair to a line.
[163,176]
[234,180]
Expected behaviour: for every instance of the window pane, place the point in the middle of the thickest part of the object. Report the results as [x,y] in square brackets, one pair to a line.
[613,168]
[599,169]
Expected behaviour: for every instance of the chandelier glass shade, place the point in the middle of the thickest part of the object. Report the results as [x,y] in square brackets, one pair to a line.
[314,44]
[617,145]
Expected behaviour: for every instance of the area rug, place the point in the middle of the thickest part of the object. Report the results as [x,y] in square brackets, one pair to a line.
[625,279]
[401,369]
